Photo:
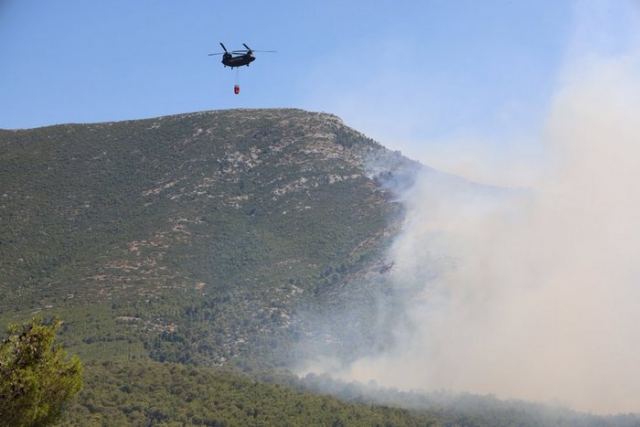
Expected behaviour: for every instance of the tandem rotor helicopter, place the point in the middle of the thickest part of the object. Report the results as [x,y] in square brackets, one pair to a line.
[238,58]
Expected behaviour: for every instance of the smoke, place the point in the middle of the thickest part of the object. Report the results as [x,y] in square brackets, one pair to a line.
[536,294]
[531,294]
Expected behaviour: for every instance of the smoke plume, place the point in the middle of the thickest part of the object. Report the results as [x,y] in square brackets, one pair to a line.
[531,294]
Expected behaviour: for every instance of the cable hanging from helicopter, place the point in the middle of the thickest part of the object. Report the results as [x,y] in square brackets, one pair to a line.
[237,59]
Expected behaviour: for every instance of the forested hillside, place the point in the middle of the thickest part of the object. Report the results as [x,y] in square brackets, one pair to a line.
[194,258]
[189,238]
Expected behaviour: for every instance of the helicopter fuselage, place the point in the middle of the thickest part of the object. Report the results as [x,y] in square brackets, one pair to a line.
[237,61]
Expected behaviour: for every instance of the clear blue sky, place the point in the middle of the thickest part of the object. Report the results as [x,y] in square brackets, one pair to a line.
[417,70]
[82,60]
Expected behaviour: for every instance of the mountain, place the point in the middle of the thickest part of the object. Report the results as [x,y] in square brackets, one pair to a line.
[190,238]
[194,258]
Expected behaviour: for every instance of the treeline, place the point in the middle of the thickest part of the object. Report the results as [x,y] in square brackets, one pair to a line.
[143,393]
[167,394]
[458,409]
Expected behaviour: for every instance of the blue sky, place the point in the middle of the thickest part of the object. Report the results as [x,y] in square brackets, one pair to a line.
[405,72]
[78,61]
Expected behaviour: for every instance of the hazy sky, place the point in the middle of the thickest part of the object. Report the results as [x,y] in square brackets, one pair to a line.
[409,73]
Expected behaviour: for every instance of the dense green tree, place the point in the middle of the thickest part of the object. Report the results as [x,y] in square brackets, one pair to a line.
[37,377]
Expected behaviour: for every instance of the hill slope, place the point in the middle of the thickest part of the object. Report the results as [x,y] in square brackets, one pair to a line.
[212,241]
[196,235]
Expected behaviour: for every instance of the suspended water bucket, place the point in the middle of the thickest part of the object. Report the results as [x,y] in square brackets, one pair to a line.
[236,89]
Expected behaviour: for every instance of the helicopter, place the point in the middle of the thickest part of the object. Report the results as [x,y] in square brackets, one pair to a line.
[244,57]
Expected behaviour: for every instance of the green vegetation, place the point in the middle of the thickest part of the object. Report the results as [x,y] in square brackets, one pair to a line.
[37,378]
[193,258]
[196,238]
[151,393]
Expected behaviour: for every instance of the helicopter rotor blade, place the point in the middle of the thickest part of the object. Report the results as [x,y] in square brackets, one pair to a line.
[223,48]
[218,53]
[245,45]
[247,51]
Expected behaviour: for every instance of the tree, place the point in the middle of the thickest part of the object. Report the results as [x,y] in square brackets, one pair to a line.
[37,377]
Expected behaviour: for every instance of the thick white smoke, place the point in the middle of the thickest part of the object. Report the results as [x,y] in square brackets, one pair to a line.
[535,294]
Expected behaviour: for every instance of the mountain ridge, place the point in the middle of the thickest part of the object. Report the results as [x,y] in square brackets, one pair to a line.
[174,116]
[220,204]
[213,251]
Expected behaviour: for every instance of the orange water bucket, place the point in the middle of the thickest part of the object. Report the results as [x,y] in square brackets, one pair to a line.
[236,89]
